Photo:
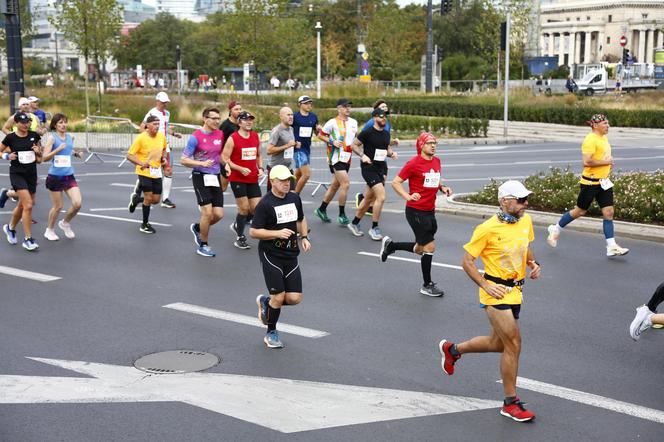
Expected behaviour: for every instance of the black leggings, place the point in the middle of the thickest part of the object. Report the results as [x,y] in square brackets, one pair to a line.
[657,298]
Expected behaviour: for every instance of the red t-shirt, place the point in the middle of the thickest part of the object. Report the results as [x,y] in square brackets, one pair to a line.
[423,177]
[245,153]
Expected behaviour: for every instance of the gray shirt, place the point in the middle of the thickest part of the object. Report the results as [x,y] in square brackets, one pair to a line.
[279,136]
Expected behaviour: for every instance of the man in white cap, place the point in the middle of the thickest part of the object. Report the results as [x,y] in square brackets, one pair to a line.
[277,221]
[164,117]
[503,244]
[34,108]
[24,106]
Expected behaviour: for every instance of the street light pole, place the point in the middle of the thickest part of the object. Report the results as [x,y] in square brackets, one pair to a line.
[318,28]
[507,70]
[428,70]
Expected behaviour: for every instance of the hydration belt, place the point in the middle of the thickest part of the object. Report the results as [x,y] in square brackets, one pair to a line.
[592,180]
[505,282]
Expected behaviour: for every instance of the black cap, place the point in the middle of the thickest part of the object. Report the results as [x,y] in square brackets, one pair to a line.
[343,102]
[22,117]
[378,112]
[244,115]
[151,119]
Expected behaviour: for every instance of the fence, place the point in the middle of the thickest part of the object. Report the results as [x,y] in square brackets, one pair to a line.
[108,136]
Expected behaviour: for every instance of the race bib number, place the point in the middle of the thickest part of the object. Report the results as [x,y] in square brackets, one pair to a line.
[286,213]
[305,132]
[432,179]
[605,183]
[155,172]
[380,155]
[344,156]
[248,153]
[26,157]
[62,161]
[288,153]
[210,180]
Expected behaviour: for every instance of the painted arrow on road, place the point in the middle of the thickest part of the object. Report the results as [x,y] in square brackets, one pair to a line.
[302,405]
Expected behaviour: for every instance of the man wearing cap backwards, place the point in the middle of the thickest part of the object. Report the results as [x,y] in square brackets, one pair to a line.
[281,145]
[373,147]
[278,219]
[35,125]
[148,153]
[242,152]
[339,134]
[22,148]
[305,125]
[423,175]
[34,108]
[503,244]
[595,185]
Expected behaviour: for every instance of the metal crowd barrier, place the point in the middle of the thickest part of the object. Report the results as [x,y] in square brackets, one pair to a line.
[104,134]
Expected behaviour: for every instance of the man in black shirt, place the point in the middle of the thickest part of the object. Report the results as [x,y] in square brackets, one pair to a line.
[229,126]
[277,220]
[373,146]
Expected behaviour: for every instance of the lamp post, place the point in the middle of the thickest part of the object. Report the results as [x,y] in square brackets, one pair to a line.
[507,69]
[318,28]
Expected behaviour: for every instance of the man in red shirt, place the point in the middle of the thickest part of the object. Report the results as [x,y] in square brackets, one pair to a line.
[423,175]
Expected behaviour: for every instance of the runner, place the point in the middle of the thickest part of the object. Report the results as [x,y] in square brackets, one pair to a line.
[279,218]
[373,146]
[203,154]
[503,244]
[148,153]
[22,148]
[423,175]
[595,185]
[34,108]
[242,152]
[35,125]
[305,125]
[646,315]
[59,149]
[282,144]
[229,126]
[339,134]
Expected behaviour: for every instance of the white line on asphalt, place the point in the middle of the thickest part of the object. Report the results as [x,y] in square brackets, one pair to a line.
[122,184]
[594,400]
[41,277]
[107,209]
[129,220]
[417,261]
[243,319]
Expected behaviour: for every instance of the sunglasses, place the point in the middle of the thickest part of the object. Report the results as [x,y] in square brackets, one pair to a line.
[521,200]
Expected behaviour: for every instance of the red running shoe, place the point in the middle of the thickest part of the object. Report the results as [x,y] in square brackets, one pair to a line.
[517,411]
[448,360]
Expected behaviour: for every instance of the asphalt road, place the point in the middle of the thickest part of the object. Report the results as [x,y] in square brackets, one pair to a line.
[108,308]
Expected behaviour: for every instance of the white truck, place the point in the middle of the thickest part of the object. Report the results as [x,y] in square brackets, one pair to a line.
[596,81]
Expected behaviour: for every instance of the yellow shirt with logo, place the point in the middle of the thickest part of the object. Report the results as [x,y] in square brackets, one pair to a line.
[147,148]
[503,249]
[599,148]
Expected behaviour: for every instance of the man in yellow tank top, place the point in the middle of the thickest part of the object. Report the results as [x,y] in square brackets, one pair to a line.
[595,185]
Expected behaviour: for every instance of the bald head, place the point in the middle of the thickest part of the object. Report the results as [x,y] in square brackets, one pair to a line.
[286,116]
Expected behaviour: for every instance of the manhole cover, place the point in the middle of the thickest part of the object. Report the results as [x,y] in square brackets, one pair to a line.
[176,361]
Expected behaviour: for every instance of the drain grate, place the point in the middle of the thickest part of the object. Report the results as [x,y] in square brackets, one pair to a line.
[176,361]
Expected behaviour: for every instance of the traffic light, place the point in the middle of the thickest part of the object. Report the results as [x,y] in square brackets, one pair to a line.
[625,57]
[446,6]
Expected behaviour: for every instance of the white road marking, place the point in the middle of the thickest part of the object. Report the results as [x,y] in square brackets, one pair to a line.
[243,319]
[122,185]
[107,209]
[416,261]
[594,400]
[128,220]
[41,277]
[302,405]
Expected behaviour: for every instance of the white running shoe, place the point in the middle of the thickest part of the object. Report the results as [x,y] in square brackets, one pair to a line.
[355,229]
[50,235]
[554,234]
[66,227]
[641,322]
[616,250]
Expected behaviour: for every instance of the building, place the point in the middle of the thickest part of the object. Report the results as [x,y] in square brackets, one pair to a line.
[589,31]
[181,9]
[203,8]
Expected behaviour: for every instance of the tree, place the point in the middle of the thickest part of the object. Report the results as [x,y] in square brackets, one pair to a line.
[93,26]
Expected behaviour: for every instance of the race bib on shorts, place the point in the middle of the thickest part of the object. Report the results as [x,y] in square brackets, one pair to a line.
[286,213]
[210,180]
[62,161]
[432,179]
[305,132]
[605,183]
[248,153]
[344,156]
[288,153]
[26,157]
[155,172]
[380,155]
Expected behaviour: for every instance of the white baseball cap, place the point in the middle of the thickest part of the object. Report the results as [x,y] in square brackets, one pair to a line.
[32,99]
[22,101]
[163,97]
[280,172]
[513,188]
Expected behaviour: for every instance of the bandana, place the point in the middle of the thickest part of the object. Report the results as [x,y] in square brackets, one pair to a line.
[596,119]
[507,218]
[423,138]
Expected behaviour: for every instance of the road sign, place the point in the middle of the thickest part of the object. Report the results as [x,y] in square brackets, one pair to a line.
[623,41]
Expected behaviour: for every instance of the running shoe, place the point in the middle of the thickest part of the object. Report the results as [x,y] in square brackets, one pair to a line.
[272,340]
[641,322]
[196,232]
[343,220]
[206,251]
[517,411]
[133,202]
[431,290]
[50,235]
[30,244]
[375,234]
[66,227]
[386,248]
[262,302]
[358,199]
[369,212]
[241,243]
[168,204]
[233,228]
[3,197]
[322,215]
[11,234]
[448,360]
[616,250]
[554,234]
[355,229]
[147,228]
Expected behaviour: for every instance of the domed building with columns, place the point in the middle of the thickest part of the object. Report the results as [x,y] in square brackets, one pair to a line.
[589,31]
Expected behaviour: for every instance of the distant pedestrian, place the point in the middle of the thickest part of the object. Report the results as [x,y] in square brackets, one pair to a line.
[570,84]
